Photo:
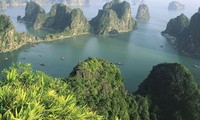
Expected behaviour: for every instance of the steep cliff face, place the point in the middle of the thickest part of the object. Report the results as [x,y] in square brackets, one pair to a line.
[173,92]
[63,20]
[175,5]
[143,12]
[47,20]
[31,12]
[113,19]
[58,17]
[176,26]
[184,33]
[78,23]
[193,36]
[9,38]
[70,22]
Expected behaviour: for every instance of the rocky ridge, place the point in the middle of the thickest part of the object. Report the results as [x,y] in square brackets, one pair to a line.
[32,11]
[113,19]
[62,19]
[184,34]
[9,38]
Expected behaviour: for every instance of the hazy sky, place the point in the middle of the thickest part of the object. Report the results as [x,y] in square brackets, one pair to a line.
[191,2]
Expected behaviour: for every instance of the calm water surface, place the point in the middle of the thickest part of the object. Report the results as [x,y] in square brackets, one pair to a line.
[138,50]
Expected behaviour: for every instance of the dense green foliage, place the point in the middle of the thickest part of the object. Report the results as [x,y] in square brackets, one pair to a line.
[25,94]
[99,84]
[173,92]
[168,93]
[5,23]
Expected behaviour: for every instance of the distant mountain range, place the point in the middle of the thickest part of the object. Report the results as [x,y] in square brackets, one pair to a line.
[5,3]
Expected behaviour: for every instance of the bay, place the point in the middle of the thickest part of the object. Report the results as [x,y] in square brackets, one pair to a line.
[138,50]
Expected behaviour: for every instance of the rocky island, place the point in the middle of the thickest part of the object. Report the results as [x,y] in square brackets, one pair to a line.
[175,28]
[32,11]
[66,22]
[9,38]
[175,5]
[143,12]
[184,34]
[114,18]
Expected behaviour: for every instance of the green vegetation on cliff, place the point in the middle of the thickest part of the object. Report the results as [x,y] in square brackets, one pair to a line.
[114,18]
[31,12]
[185,33]
[9,38]
[99,84]
[65,22]
[176,26]
[29,95]
[173,92]
[168,93]
[61,19]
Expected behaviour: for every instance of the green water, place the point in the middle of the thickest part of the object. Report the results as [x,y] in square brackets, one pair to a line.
[138,50]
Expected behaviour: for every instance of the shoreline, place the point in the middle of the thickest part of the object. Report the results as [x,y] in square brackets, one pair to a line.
[52,37]
[173,40]
[40,40]
[170,38]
